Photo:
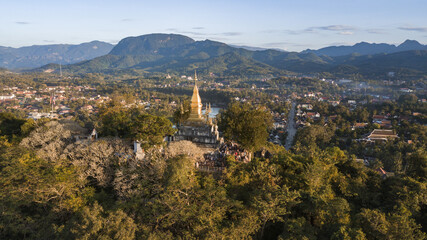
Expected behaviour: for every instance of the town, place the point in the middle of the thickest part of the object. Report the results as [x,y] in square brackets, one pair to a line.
[355,112]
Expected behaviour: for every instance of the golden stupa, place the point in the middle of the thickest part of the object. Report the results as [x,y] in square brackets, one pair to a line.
[196,104]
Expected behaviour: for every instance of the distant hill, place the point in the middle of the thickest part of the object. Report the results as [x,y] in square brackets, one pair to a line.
[404,63]
[39,55]
[364,48]
[149,44]
[172,53]
[250,48]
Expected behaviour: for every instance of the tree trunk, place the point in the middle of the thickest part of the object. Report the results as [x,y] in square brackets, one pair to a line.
[262,230]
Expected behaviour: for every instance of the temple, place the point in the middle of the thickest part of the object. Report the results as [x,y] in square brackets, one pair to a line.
[197,128]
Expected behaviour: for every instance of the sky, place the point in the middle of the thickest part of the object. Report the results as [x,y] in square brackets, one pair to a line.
[291,25]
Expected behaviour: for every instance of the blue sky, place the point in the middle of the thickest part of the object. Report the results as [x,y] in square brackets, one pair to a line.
[291,25]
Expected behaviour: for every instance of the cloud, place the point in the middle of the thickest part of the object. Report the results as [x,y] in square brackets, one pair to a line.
[376,31]
[48,41]
[127,20]
[336,28]
[340,29]
[229,34]
[285,45]
[219,39]
[295,32]
[198,28]
[193,33]
[333,28]
[339,44]
[203,34]
[414,29]
[22,23]
[275,44]
[271,31]
[113,41]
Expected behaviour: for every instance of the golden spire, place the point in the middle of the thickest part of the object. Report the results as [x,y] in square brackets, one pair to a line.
[196,102]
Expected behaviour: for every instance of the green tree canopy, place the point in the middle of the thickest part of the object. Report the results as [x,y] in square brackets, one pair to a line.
[133,123]
[246,125]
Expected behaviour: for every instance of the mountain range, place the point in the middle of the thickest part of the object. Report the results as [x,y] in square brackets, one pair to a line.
[364,48]
[39,55]
[178,54]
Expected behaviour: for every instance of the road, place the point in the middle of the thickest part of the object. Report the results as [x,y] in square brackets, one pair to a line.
[291,128]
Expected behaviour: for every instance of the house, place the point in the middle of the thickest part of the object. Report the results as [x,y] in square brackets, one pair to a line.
[37,115]
[306,106]
[310,94]
[378,118]
[87,108]
[92,136]
[277,125]
[406,90]
[358,126]
[334,103]
[383,173]
[313,115]
[381,135]
[7,97]
[385,124]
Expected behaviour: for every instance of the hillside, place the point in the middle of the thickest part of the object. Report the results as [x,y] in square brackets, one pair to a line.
[39,55]
[149,44]
[403,63]
[179,54]
[364,48]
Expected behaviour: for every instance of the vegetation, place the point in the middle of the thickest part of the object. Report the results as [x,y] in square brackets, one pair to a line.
[54,188]
[133,123]
[245,125]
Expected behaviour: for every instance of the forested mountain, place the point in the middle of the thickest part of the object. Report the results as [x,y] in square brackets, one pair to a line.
[39,55]
[179,54]
[364,48]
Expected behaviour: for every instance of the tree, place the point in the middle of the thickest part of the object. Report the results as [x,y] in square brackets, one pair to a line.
[246,125]
[417,165]
[134,124]
[408,99]
[182,113]
[149,130]
[98,160]
[92,222]
[35,194]
[49,139]
[11,125]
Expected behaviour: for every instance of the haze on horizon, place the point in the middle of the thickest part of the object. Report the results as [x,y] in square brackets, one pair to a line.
[288,25]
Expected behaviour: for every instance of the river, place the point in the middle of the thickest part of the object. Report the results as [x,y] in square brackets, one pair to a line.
[214,112]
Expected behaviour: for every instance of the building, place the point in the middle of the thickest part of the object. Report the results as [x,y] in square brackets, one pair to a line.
[358,126]
[381,135]
[197,128]
[7,97]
